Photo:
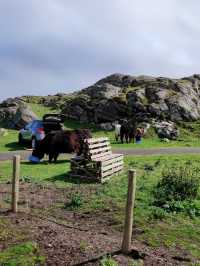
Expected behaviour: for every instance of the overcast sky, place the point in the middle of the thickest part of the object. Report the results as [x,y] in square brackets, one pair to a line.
[50,46]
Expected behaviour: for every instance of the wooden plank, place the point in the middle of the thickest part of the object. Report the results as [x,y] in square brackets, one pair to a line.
[89,178]
[96,140]
[99,155]
[100,144]
[112,160]
[100,150]
[114,170]
[107,157]
[111,166]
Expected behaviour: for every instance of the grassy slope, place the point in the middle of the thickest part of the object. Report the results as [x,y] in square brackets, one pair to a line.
[189,135]
[174,230]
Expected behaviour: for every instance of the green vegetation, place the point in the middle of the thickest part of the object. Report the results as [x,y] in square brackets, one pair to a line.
[26,254]
[158,226]
[37,173]
[40,109]
[178,189]
[178,183]
[9,142]
[75,203]
[108,261]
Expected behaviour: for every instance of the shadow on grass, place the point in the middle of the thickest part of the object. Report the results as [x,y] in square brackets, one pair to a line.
[67,179]
[46,162]
[13,146]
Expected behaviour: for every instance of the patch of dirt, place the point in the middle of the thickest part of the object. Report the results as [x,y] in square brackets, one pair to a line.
[71,237]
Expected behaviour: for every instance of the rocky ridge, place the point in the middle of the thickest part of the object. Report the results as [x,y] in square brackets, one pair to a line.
[122,96]
[117,97]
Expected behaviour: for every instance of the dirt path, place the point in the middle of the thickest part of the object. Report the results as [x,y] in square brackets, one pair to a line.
[158,151]
[126,151]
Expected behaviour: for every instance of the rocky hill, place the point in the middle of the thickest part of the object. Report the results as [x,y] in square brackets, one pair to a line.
[119,96]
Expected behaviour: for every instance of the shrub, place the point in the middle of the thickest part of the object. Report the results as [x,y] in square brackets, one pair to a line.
[177,184]
[191,208]
[158,213]
[108,261]
[76,202]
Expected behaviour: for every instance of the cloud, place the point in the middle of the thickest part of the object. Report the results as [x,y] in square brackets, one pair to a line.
[56,45]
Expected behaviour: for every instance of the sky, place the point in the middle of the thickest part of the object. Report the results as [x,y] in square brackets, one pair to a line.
[53,46]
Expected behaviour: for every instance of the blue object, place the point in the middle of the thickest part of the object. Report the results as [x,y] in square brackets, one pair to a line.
[34,129]
[138,139]
[33,159]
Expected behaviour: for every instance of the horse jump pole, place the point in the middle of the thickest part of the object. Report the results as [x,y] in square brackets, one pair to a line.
[128,226]
[15,182]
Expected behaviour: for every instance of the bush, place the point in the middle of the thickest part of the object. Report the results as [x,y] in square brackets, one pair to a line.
[157,213]
[108,261]
[191,208]
[76,202]
[177,184]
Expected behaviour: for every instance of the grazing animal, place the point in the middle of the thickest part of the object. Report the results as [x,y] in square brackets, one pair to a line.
[117,131]
[127,131]
[62,141]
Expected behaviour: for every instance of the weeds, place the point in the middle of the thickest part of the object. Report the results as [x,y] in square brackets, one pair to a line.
[26,254]
[177,184]
[75,203]
[177,190]
[108,261]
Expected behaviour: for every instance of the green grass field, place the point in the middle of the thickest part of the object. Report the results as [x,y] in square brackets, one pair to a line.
[159,227]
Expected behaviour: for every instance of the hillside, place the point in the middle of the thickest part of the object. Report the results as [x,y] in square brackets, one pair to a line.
[120,96]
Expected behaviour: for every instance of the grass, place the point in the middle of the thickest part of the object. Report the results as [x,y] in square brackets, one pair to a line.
[44,172]
[40,109]
[158,228]
[26,254]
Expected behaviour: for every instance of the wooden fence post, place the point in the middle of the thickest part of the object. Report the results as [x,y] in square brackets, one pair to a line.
[128,226]
[15,182]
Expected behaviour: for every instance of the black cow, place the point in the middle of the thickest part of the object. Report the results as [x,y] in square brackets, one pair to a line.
[62,141]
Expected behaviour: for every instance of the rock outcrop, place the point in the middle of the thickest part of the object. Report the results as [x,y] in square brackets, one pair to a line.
[119,96]
[166,130]
[14,113]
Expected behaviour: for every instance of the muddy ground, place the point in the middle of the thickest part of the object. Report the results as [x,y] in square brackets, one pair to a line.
[72,237]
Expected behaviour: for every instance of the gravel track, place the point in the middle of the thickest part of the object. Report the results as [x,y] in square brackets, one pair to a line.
[151,151]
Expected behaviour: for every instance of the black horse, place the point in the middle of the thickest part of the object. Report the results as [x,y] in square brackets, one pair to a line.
[128,130]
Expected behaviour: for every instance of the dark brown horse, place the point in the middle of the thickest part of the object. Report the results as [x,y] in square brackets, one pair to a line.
[62,141]
[127,131]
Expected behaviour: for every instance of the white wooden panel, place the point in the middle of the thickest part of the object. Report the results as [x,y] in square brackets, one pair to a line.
[96,140]
[111,166]
[100,150]
[107,157]
[100,144]
[112,160]
[115,170]
[98,156]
